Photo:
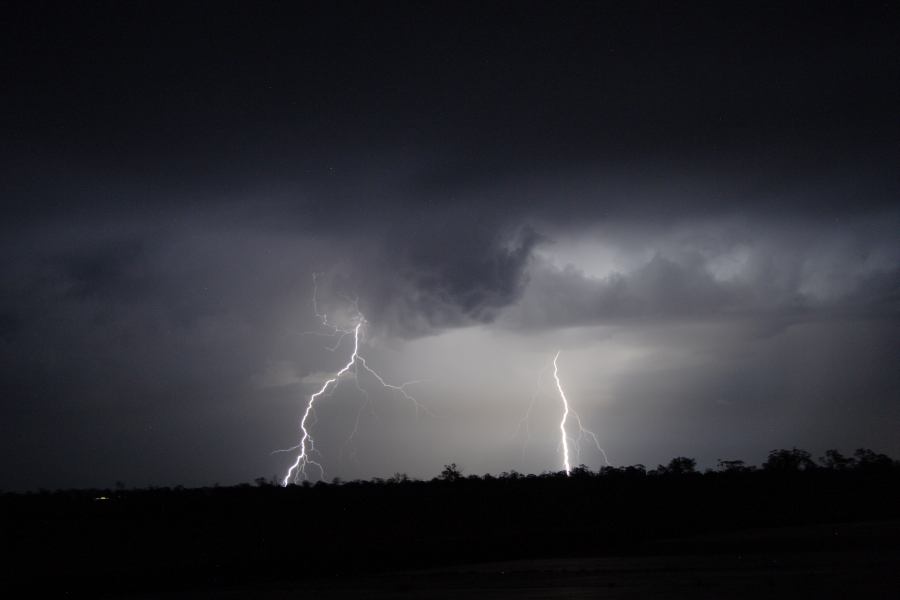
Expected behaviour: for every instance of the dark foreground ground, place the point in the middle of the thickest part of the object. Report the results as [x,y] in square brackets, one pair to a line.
[858,560]
[777,532]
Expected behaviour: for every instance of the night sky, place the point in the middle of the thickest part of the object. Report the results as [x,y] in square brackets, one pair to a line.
[696,203]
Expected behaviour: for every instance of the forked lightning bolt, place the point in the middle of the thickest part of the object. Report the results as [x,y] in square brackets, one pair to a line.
[306,447]
[306,441]
[582,432]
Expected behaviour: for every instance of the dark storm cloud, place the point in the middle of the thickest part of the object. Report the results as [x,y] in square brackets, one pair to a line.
[214,98]
[435,276]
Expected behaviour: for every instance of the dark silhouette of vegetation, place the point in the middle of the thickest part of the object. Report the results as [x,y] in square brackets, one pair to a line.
[678,466]
[451,473]
[734,466]
[836,461]
[134,539]
[789,460]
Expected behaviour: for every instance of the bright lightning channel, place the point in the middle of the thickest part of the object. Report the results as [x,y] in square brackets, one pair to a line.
[582,432]
[298,470]
[562,424]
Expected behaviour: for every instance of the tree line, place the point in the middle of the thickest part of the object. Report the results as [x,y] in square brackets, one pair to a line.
[784,461]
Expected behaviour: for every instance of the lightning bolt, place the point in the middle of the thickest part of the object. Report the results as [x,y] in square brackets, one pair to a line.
[306,446]
[582,432]
[565,417]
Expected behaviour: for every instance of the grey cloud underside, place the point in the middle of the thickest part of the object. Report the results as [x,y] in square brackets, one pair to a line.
[776,270]
[665,289]
[419,278]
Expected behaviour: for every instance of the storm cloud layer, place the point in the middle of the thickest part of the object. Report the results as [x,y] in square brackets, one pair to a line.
[698,206]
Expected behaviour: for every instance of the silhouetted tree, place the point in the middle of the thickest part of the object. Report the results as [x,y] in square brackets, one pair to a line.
[733,466]
[836,461]
[581,470]
[789,460]
[870,460]
[637,470]
[680,465]
[451,472]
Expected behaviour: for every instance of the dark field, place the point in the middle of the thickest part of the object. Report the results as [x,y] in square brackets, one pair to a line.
[860,560]
[779,532]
